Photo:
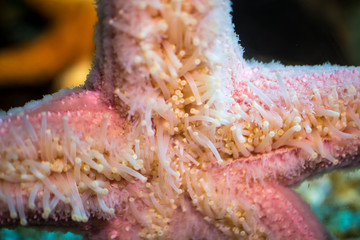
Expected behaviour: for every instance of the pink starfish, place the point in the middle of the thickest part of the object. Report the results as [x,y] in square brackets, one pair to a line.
[175,136]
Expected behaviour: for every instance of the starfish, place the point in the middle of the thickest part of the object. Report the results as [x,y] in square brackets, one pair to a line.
[175,136]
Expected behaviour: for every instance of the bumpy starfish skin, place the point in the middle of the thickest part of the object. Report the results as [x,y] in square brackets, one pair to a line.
[175,136]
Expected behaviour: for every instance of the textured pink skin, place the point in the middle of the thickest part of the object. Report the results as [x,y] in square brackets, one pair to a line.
[283,213]
[84,108]
[279,208]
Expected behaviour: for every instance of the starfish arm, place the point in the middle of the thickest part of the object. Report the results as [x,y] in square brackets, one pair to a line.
[314,113]
[243,209]
[285,215]
[49,146]
[146,47]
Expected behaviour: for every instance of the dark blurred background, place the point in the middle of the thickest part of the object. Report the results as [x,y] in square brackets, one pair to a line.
[300,31]
[46,45]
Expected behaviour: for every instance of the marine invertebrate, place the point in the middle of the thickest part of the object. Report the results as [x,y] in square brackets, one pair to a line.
[174,130]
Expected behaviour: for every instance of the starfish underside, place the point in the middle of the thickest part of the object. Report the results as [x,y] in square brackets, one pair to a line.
[176,136]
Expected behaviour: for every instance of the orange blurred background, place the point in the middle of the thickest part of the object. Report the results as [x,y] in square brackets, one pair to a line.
[45,45]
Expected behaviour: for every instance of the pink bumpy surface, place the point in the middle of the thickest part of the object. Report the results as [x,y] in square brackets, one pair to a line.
[176,136]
